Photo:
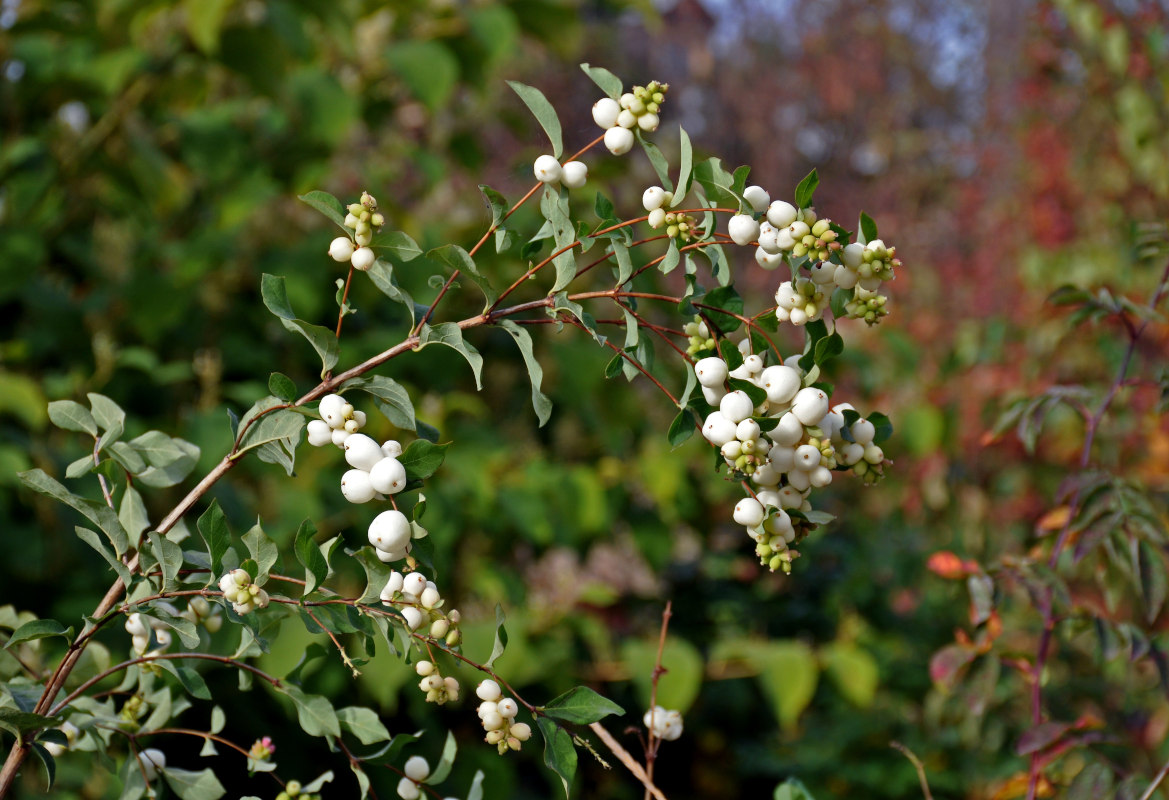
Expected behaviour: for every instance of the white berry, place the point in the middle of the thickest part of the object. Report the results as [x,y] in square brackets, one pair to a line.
[389,531]
[757,196]
[743,229]
[547,169]
[810,405]
[363,258]
[619,141]
[736,406]
[711,371]
[605,112]
[341,249]
[749,512]
[574,174]
[781,214]
[388,476]
[362,452]
[356,487]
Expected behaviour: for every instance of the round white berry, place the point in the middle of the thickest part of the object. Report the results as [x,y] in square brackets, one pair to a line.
[789,431]
[362,239]
[392,587]
[574,174]
[781,458]
[713,394]
[781,214]
[717,429]
[547,169]
[339,436]
[863,431]
[743,229]
[753,364]
[769,240]
[330,410]
[619,141]
[408,789]
[768,261]
[362,452]
[388,476]
[799,229]
[488,691]
[736,406]
[356,487]
[844,277]
[389,531]
[152,760]
[823,273]
[626,120]
[807,457]
[781,383]
[429,597]
[341,249]
[521,731]
[416,768]
[757,196]
[853,255]
[413,617]
[653,198]
[747,430]
[605,112]
[424,668]
[392,448]
[749,512]
[711,371]
[798,479]
[732,449]
[414,584]
[648,122]
[363,258]
[874,454]
[507,708]
[820,477]
[657,218]
[810,405]
[319,433]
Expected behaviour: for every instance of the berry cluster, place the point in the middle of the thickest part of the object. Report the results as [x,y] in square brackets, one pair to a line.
[143,630]
[699,333]
[294,789]
[498,715]
[421,604]
[338,420]
[437,688]
[796,236]
[636,109]
[201,612]
[680,226]
[663,724]
[573,174]
[790,443]
[363,219]
[239,590]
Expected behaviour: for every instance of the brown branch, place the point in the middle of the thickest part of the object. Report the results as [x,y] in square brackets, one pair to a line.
[628,760]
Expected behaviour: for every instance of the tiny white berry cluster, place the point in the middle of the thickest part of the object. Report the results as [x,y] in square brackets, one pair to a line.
[437,688]
[338,420]
[637,109]
[239,590]
[417,770]
[805,441]
[295,789]
[200,612]
[699,333]
[663,724]
[142,630]
[573,174]
[421,604]
[498,715]
[682,227]
[786,234]
[363,219]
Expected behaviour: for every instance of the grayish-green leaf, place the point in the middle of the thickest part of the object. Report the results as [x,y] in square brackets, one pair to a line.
[397,245]
[457,258]
[169,557]
[315,713]
[450,335]
[212,527]
[559,753]
[328,205]
[307,553]
[685,168]
[38,629]
[610,84]
[364,724]
[394,401]
[99,514]
[554,207]
[95,541]
[109,415]
[543,111]
[132,515]
[624,262]
[500,643]
[127,457]
[188,785]
[657,161]
[540,401]
[262,550]
[323,340]
[582,706]
[72,416]
[450,749]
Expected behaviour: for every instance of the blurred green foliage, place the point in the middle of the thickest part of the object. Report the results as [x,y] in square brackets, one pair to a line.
[149,160]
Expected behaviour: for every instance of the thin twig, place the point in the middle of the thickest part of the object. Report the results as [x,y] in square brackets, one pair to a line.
[651,750]
[917,765]
[629,761]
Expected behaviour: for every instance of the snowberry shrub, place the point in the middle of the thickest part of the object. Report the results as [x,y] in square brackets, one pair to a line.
[189,604]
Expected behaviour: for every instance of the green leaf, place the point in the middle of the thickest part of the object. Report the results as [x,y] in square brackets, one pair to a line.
[422,458]
[430,69]
[658,161]
[280,385]
[1152,579]
[540,401]
[317,783]
[191,680]
[476,791]
[213,529]
[109,415]
[610,84]
[95,541]
[559,754]
[496,202]
[21,722]
[127,457]
[792,789]
[500,643]
[543,111]
[726,298]
[853,671]
[48,762]
[171,460]
[839,302]
[188,785]
[323,340]
[685,169]
[328,205]
[450,749]
[308,554]
[157,448]
[731,354]
[364,724]
[396,244]
[561,303]
[717,183]
[281,425]
[72,416]
[671,259]
[38,629]
[393,399]
[554,207]
[756,393]
[204,20]
[582,706]
[450,335]
[806,189]
[262,550]
[868,228]
[624,262]
[132,515]
[787,674]
[828,348]
[883,425]
[457,258]
[169,557]
[316,714]
[99,514]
